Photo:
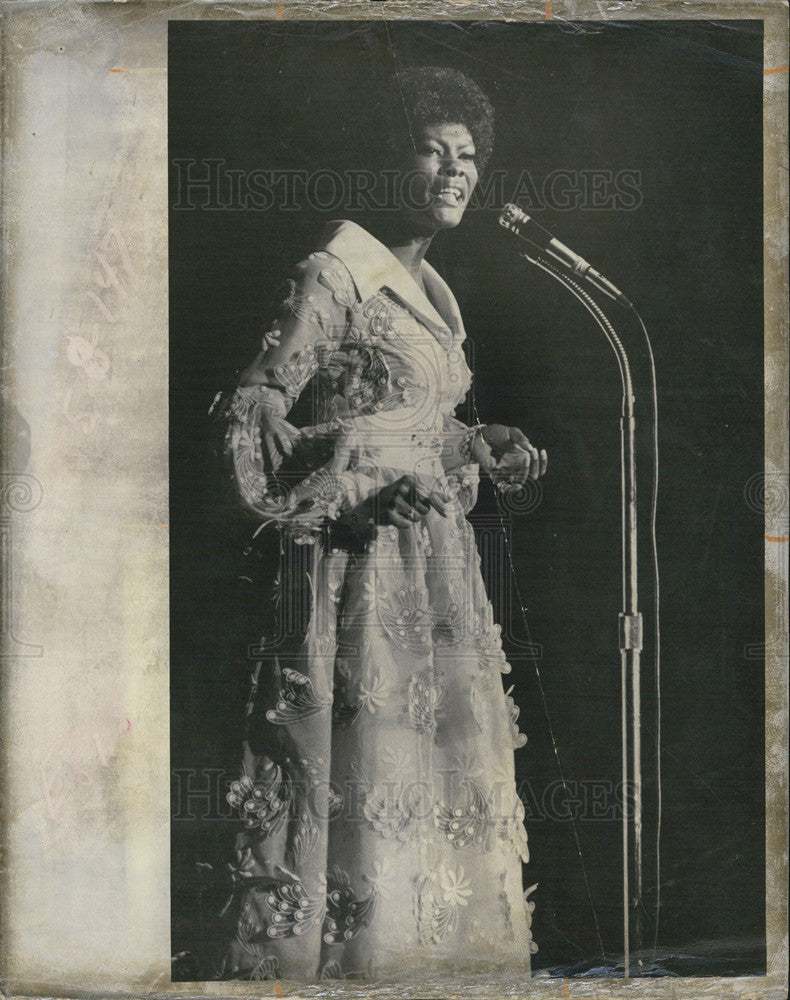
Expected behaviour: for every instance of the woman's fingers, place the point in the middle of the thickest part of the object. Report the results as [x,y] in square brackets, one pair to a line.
[438,504]
[284,429]
[519,439]
[398,519]
[531,464]
[421,504]
[278,436]
[284,442]
[534,463]
[408,496]
[406,486]
[514,465]
[537,463]
[386,504]
[401,505]
[274,455]
[413,511]
[405,502]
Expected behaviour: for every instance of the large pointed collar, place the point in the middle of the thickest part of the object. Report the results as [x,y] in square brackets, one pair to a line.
[373,267]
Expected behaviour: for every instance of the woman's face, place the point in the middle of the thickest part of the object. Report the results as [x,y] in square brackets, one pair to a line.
[441,176]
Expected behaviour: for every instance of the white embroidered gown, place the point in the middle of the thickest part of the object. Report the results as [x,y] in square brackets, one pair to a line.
[380,825]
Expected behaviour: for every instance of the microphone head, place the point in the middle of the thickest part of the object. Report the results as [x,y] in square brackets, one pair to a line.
[511,217]
[525,227]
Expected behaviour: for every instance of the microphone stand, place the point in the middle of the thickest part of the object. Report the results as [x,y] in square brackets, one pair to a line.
[629,620]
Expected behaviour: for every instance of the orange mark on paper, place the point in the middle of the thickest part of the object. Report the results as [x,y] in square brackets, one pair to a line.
[278,990]
[775,538]
[565,991]
[279,13]
[549,15]
[778,69]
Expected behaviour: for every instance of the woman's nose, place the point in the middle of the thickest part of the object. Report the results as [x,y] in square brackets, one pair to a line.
[452,167]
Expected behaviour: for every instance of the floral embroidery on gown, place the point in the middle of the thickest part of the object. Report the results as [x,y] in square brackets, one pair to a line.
[379,824]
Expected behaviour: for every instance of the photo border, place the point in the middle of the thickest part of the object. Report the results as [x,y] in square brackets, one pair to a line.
[120,50]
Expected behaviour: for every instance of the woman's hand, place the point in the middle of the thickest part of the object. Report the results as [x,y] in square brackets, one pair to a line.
[507,456]
[277,435]
[404,502]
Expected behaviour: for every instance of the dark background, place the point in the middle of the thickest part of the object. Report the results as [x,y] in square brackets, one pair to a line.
[680,102]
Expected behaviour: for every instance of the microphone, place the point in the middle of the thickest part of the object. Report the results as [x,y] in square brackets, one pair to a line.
[525,227]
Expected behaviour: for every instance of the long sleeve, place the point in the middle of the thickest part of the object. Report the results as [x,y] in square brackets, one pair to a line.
[322,479]
[460,465]
[461,469]
[458,438]
[311,318]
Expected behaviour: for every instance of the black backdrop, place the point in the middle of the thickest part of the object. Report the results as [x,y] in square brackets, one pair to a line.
[680,104]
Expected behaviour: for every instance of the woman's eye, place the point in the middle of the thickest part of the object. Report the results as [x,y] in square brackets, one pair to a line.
[436,151]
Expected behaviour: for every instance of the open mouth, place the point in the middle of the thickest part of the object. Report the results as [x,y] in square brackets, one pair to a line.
[449,196]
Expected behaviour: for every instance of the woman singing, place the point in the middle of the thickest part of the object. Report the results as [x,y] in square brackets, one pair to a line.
[381,830]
